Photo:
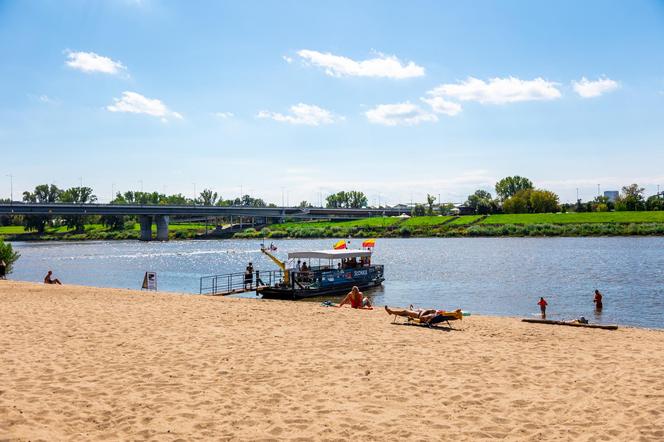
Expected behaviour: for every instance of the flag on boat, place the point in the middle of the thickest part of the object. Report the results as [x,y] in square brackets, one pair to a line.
[369,243]
[341,244]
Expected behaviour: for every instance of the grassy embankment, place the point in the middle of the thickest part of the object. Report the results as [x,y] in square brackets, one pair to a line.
[548,224]
[98,232]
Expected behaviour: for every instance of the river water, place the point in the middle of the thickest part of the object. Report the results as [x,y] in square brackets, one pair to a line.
[496,276]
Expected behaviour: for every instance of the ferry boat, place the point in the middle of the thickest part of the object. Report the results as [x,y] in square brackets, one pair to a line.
[321,272]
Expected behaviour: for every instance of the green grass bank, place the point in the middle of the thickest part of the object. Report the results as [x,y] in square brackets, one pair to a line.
[548,224]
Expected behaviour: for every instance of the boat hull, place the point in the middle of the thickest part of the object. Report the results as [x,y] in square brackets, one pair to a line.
[289,293]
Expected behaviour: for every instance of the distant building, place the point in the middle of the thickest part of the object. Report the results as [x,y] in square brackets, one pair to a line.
[612,195]
[461,209]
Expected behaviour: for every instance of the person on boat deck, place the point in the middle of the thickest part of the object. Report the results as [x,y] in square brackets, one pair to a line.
[424,315]
[299,265]
[49,280]
[248,275]
[598,300]
[356,299]
[304,272]
[542,303]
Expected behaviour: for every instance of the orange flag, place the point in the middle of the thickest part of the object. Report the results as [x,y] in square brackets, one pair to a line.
[341,244]
[369,243]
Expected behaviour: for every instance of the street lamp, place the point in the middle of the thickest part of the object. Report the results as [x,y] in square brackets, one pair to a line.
[11,189]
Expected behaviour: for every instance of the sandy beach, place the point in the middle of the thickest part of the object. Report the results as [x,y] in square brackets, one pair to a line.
[80,363]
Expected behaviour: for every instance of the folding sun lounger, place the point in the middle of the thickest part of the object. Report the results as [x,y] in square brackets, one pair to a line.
[442,316]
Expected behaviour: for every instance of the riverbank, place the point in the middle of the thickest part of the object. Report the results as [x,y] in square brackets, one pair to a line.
[83,362]
[519,225]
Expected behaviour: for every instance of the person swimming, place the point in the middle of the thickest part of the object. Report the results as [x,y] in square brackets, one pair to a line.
[356,299]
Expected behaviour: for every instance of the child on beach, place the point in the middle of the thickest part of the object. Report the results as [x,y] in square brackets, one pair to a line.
[542,303]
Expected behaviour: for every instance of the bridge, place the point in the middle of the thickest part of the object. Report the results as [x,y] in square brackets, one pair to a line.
[160,214]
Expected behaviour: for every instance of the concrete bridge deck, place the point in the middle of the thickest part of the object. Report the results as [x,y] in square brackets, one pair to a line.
[159,214]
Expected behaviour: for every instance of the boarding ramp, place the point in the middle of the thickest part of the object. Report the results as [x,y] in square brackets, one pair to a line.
[235,283]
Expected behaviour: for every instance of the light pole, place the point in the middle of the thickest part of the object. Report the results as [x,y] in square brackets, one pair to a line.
[598,190]
[194,199]
[11,189]
[112,192]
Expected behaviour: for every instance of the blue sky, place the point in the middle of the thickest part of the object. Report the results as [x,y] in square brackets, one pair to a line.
[396,99]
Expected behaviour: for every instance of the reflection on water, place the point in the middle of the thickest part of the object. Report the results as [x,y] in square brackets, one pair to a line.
[500,276]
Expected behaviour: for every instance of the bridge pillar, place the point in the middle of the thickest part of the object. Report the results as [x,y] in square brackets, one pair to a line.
[146,227]
[162,227]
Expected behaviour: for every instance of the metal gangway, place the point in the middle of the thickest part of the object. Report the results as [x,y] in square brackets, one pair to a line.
[240,282]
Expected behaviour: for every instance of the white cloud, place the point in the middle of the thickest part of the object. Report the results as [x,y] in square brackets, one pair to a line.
[498,90]
[307,114]
[441,106]
[224,115]
[386,66]
[287,59]
[135,103]
[588,89]
[400,114]
[91,62]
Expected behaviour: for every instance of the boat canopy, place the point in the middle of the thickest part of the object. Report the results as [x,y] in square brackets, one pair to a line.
[329,254]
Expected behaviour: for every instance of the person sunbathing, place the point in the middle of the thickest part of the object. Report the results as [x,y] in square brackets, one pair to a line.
[356,299]
[49,280]
[423,315]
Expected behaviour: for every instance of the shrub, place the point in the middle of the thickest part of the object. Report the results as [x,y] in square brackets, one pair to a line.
[8,255]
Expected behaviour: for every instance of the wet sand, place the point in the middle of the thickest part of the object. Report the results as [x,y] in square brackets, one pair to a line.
[82,363]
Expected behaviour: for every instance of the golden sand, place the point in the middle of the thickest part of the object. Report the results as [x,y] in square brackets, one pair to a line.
[81,363]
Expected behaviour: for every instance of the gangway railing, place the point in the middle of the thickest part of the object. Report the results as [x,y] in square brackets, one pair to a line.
[240,282]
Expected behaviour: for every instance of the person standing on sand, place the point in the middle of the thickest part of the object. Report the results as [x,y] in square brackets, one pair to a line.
[49,280]
[598,300]
[542,303]
[3,270]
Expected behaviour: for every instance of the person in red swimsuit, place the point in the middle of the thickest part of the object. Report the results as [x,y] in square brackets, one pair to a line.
[542,303]
[598,300]
[356,299]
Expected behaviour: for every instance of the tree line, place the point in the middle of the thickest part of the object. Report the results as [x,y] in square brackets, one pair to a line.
[517,194]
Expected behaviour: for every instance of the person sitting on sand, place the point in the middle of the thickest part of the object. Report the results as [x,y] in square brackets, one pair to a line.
[542,303]
[356,299]
[598,300]
[424,315]
[49,280]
